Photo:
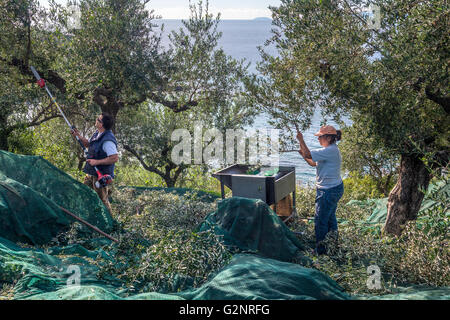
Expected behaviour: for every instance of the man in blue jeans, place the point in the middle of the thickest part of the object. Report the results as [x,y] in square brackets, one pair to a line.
[330,187]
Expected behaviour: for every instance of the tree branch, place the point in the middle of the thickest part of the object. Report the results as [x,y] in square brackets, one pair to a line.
[146,167]
[34,123]
[178,172]
[139,100]
[374,30]
[444,102]
[52,77]
[173,105]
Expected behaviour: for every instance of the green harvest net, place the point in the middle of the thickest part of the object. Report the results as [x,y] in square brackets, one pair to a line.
[379,206]
[31,191]
[262,247]
[250,225]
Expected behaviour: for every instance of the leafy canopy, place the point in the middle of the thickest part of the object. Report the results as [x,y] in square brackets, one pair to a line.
[393,79]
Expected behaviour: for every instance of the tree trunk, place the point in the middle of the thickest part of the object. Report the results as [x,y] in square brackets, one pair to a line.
[170,182]
[405,198]
[105,99]
[3,132]
[387,183]
[3,141]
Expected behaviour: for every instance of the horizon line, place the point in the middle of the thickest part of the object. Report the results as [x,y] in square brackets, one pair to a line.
[258,18]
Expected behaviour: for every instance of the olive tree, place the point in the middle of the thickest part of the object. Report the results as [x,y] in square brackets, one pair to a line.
[364,155]
[200,72]
[393,78]
[23,32]
[112,61]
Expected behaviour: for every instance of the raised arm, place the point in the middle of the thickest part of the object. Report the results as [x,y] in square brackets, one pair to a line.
[84,141]
[304,151]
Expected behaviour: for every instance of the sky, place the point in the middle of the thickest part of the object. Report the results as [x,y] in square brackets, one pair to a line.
[229,9]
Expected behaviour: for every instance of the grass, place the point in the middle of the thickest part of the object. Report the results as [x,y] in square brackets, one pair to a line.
[160,250]
[420,256]
[7,291]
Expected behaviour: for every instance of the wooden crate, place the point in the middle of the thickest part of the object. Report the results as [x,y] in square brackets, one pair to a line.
[284,206]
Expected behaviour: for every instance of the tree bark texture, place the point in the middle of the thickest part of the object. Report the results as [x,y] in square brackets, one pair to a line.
[3,141]
[405,198]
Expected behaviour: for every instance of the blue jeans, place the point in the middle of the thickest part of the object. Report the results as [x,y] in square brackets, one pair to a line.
[325,218]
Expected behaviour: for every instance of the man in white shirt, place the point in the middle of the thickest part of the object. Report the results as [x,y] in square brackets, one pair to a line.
[102,153]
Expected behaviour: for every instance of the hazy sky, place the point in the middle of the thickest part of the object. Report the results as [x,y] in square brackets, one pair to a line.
[229,9]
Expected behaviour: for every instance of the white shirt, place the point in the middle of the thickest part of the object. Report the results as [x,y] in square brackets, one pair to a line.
[328,169]
[110,148]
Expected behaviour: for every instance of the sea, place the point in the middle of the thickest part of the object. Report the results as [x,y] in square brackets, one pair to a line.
[241,39]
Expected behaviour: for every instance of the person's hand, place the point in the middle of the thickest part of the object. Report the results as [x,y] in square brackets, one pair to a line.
[92,162]
[75,133]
